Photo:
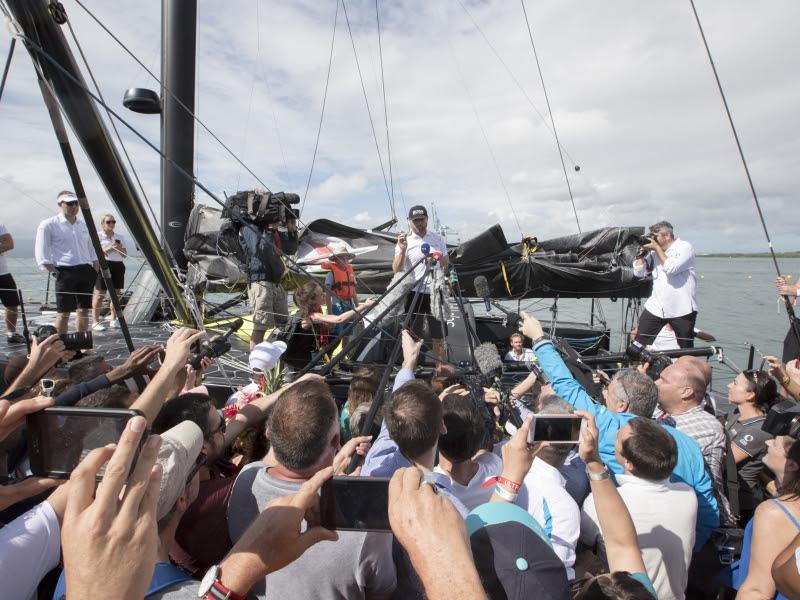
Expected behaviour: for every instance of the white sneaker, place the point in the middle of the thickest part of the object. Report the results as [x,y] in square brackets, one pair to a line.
[99,327]
[114,324]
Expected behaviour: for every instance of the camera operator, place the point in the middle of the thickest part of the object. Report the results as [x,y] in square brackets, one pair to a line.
[264,244]
[408,252]
[671,263]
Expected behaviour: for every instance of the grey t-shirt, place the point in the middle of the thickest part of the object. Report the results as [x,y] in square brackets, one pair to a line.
[352,567]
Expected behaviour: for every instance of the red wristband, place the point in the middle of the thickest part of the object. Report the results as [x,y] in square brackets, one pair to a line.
[507,483]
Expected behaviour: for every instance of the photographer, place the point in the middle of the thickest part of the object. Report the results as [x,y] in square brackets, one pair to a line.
[264,243]
[670,261]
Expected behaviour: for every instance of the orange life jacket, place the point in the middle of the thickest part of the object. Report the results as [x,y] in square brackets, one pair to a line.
[344,280]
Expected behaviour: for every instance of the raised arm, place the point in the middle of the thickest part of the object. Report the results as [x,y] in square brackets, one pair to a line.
[399,261]
[6,242]
[344,317]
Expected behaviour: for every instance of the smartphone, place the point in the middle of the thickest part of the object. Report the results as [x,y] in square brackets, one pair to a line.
[555,429]
[355,504]
[48,385]
[61,437]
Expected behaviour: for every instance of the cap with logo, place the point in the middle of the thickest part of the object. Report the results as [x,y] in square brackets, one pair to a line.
[513,555]
[417,212]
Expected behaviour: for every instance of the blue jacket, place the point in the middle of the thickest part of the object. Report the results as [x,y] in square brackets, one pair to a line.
[690,469]
[263,264]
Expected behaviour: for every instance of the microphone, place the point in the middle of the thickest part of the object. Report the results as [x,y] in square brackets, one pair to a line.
[425,248]
[482,290]
[487,360]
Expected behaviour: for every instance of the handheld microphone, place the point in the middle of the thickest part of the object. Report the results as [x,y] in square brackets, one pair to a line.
[425,248]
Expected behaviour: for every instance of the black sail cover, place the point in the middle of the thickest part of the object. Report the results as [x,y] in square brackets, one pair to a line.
[595,264]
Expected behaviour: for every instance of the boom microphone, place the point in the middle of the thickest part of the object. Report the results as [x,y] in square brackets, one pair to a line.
[487,359]
[482,290]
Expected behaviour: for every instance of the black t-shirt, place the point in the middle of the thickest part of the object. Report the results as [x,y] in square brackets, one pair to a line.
[747,435]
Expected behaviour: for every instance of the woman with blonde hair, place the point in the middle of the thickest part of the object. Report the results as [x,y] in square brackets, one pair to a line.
[113,246]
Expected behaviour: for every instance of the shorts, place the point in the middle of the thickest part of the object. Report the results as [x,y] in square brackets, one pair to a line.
[8,291]
[423,315]
[117,268]
[338,307]
[270,305]
[74,287]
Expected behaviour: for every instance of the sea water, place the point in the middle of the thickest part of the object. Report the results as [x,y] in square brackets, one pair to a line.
[738,305]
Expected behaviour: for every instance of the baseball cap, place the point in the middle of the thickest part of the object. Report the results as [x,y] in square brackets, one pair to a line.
[513,554]
[266,355]
[417,212]
[66,197]
[180,447]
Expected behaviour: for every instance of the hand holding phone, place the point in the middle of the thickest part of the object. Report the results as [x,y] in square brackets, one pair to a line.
[555,429]
[355,504]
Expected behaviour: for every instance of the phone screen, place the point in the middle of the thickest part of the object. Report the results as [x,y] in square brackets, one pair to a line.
[355,504]
[555,429]
[61,437]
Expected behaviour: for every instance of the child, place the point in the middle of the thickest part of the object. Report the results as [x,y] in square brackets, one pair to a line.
[340,284]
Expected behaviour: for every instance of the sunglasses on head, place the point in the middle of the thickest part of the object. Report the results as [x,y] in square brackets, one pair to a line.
[755,376]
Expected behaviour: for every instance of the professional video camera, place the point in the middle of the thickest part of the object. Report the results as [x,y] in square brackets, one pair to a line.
[261,207]
[78,340]
[783,419]
[216,346]
[644,239]
[658,362]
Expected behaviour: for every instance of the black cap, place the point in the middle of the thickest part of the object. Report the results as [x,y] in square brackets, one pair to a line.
[417,212]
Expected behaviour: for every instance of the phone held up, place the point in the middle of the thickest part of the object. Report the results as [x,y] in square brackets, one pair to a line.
[555,429]
[61,437]
[355,504]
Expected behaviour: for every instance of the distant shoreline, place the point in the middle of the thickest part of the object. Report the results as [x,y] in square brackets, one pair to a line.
[750,255]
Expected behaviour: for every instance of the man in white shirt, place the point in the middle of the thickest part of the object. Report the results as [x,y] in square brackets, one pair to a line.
[663,513]
[407,253]
[113,245]
[8,288]
[671,263]
[63,247]
[518,352]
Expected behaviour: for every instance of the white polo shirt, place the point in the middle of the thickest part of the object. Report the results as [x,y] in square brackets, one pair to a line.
[63,244]
[414,254]
[3,262]
[674,282]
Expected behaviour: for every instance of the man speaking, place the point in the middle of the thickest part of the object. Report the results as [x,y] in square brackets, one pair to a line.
[671,263]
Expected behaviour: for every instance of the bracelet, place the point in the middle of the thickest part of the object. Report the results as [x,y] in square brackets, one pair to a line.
[541,338]
[508,485]
[504,493]
[601,476]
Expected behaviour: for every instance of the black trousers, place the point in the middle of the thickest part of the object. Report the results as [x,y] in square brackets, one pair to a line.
[650,325]
[791,347]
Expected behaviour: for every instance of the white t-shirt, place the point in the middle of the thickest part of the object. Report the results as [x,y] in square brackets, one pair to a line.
[414,254]
[473,494]
[664,515]
[674,282]
[527,356]
[3,262]
[106,242]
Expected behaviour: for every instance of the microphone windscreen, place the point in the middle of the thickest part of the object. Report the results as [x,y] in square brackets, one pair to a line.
[487,358]
[481,287]
[425,248]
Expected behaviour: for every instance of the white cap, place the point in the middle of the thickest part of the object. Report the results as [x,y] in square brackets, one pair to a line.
[66,197]
[266,355]
[180,447]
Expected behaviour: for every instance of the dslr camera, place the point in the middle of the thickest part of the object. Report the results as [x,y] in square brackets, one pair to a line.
[78,340]
[783,419]
[262,207]
[658,362]
[644,239]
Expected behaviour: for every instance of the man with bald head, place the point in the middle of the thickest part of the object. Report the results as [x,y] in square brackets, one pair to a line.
[681,389]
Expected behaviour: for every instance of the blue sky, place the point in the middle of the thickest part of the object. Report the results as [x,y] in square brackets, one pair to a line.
[632,92]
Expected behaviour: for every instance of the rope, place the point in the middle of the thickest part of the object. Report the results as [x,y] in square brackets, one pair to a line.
[550,112]
[385,109]
[174,97]
[322,112]
[369,112]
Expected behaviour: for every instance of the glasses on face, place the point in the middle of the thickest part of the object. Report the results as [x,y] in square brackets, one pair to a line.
[111,221]
[71,203]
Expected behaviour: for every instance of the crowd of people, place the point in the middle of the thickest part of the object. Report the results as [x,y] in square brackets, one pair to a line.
[221,500]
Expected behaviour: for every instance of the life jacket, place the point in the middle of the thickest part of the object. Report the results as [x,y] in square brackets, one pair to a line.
[344,280]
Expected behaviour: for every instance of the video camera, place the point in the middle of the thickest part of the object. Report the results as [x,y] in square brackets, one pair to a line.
[261,207]
[657,361]
[783,419]
[215,347]
[644,239]
[78,340]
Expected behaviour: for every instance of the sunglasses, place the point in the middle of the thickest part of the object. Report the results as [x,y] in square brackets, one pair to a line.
[111,221]
[71,203]
[755,376]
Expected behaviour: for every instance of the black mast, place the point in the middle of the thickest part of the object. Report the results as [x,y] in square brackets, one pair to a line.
[39,26]
[178,50]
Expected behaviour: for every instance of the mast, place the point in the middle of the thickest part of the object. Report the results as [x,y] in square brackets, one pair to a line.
[178,60]
[37,24]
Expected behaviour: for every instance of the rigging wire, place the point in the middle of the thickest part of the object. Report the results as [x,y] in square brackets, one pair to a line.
[8,66]
[793,322]
[485,138]
[322,112]
[385,109]
[166,89]
[514,79]
[369,112]
[550,112]
[250,101]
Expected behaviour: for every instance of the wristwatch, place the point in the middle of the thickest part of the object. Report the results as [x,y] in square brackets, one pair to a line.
[601,476]
[211,588]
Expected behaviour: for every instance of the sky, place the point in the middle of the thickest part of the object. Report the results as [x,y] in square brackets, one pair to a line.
[631,89]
